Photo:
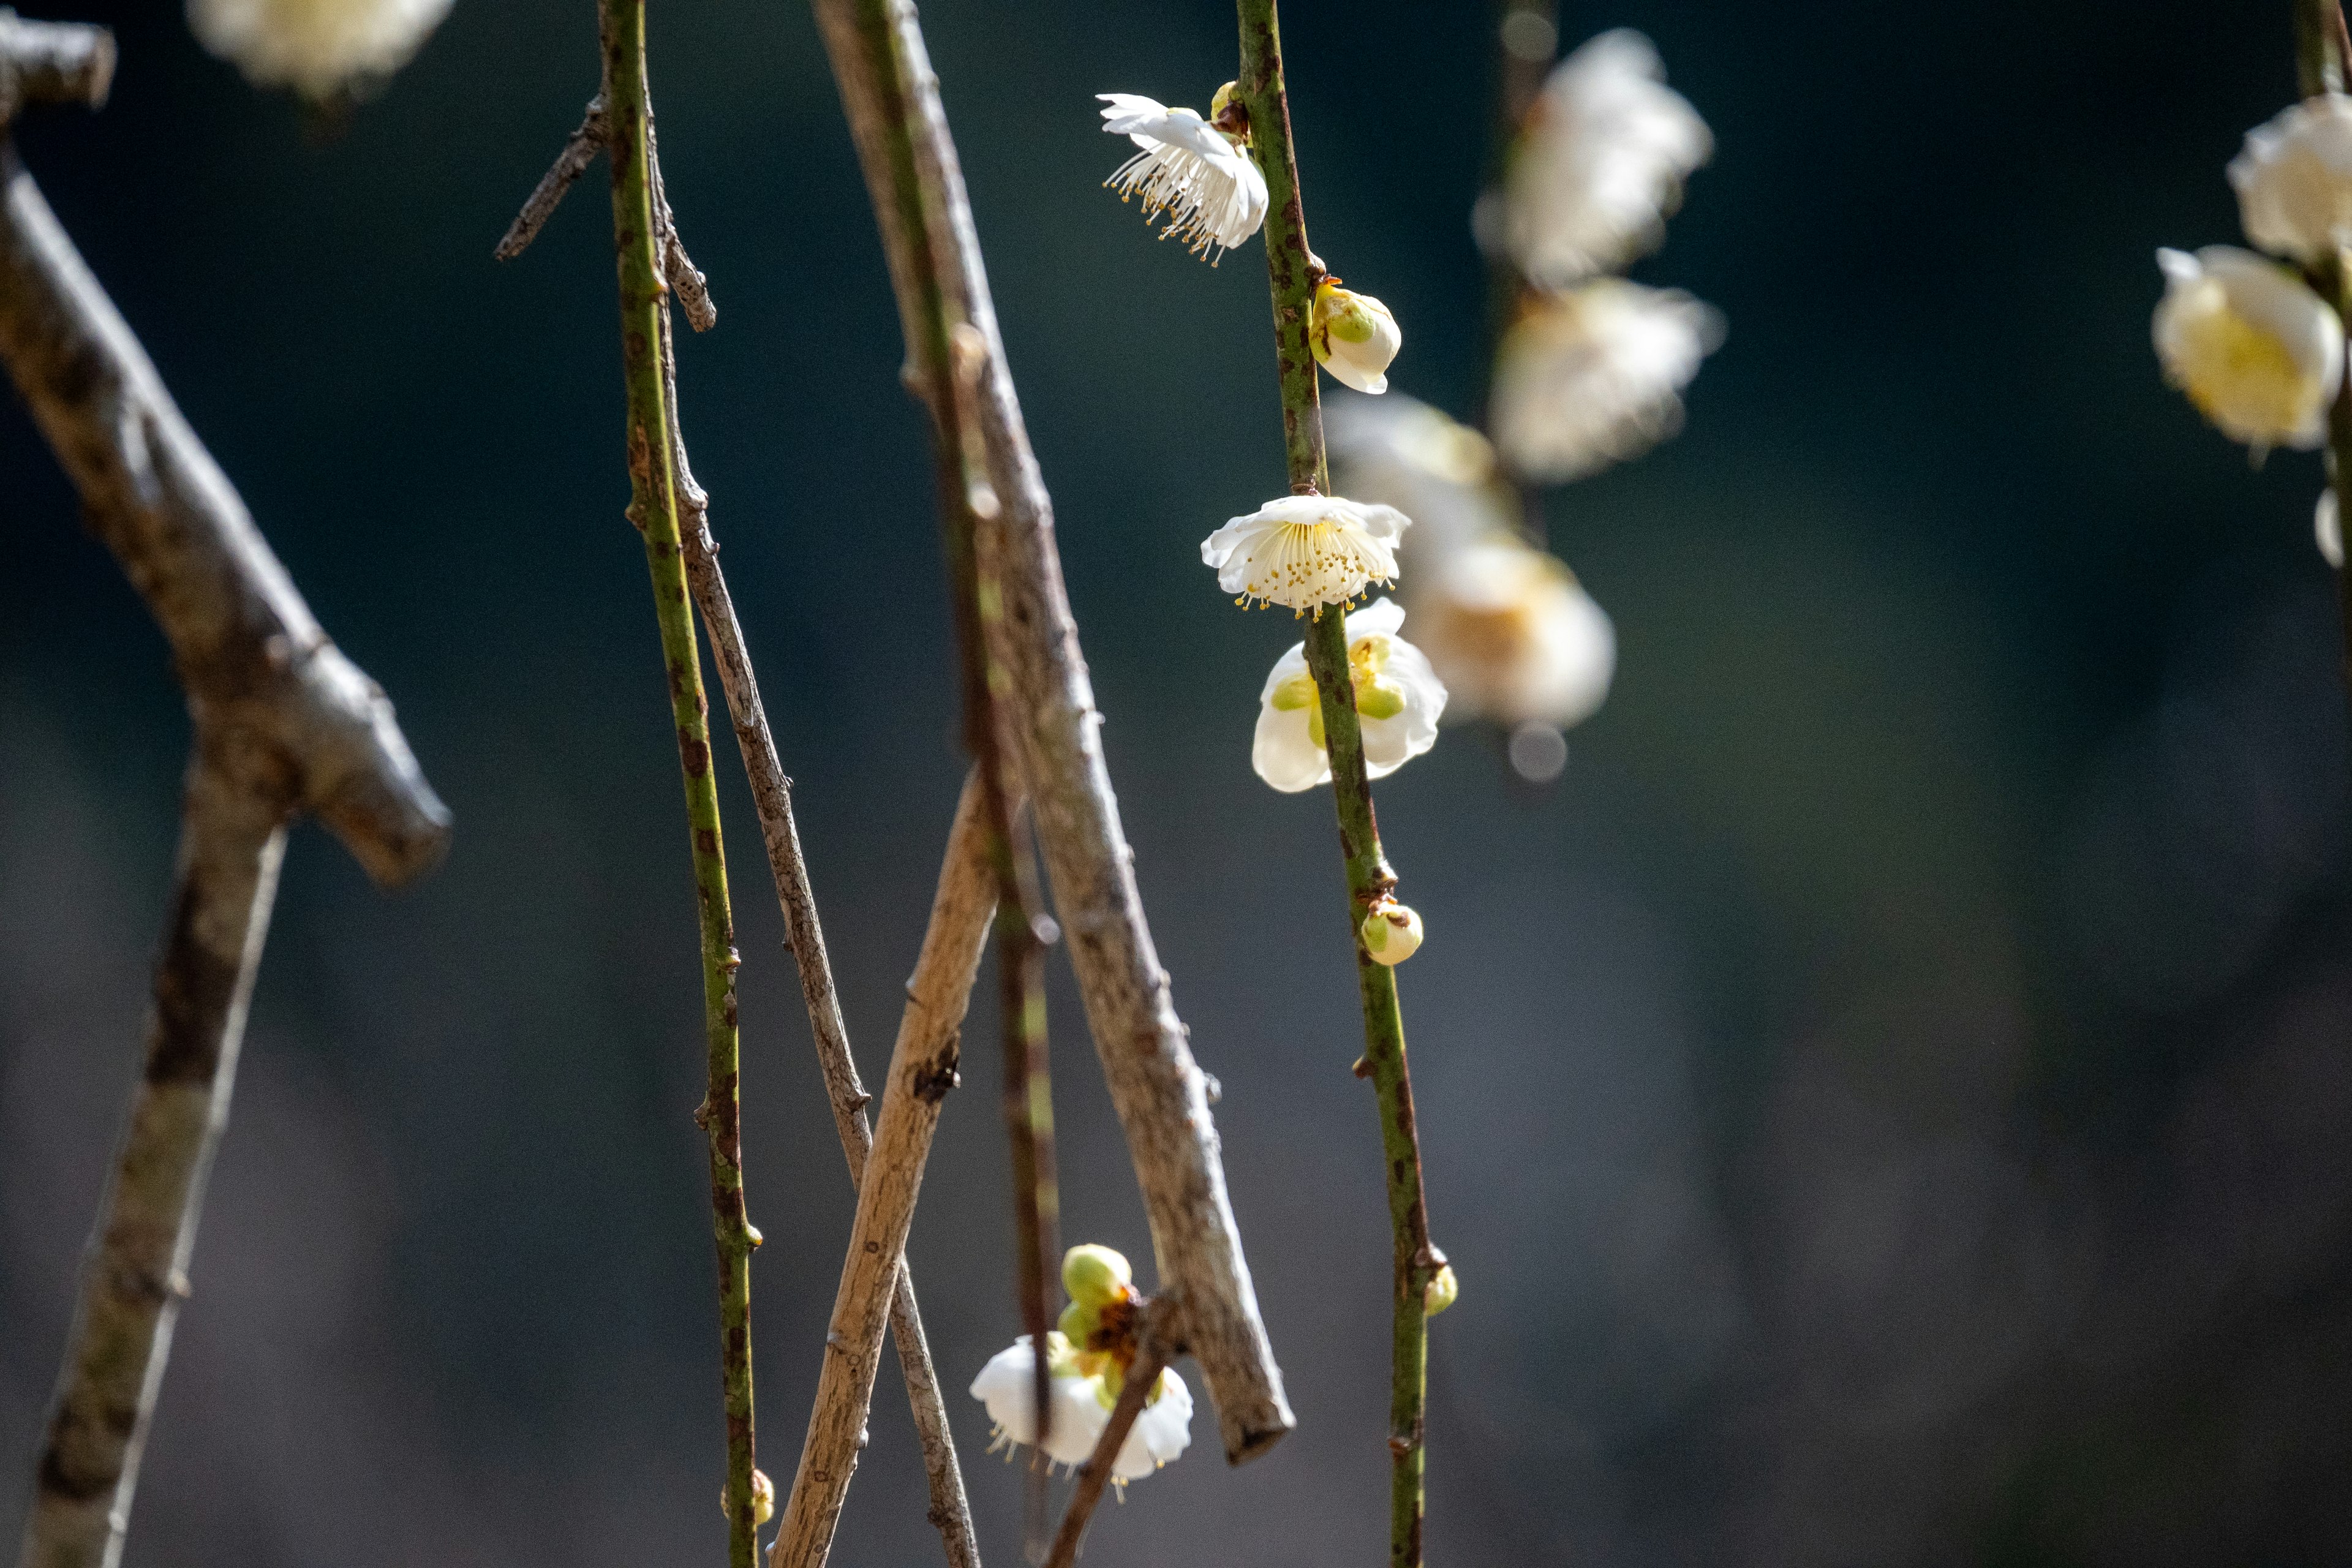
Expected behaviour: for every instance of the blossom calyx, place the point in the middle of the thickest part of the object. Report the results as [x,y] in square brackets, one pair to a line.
[1392,934]
[1353,335]
[1095,1275]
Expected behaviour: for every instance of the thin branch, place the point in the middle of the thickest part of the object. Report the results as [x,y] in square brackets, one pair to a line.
[1292,271]
[2324,64]
[1050,717]
[653,509]
[684,278]
[1095,1475]
[922,1069]
[580,150]
[283,723]
[771,801]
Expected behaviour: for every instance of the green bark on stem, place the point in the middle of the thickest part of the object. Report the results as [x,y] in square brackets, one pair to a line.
[2322,48]
[653,510]
[1292,271]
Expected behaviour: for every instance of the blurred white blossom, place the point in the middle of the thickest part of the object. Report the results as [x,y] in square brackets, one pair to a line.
[2295,180]
[1398,700]
[1600,163]
[2253,348]
[1403,453]
[1305,551]
[1208,184]
[1594,375]
[1082,1405]
[1514,635]
[1353,336]
[315,46]
[2327,529]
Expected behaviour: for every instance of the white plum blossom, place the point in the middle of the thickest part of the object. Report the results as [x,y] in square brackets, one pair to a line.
[1204,180]
[1594,375]
[1305,551]
[2251,345]
[2295,180]
[1514,635]
[1353,336]
[1398,700]
[316,47]
[1443,473]
[1082,1405]
[1600,163]
[2327,529]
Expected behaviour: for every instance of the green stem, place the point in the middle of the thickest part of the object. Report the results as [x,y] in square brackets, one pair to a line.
[1292,271]
[970,514]
[2322,59]
[653,510]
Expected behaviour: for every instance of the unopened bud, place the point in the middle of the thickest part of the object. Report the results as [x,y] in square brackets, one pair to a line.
[1441,1291]
[1392,932]
[1095,1276]
[763,1499]
[1354,336]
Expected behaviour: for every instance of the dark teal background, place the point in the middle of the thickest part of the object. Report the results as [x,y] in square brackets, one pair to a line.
[1887,1105]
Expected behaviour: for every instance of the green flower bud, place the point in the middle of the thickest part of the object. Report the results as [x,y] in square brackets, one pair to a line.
[1096,1276]
[1079,1321]
[1441,1291]
[1392,932]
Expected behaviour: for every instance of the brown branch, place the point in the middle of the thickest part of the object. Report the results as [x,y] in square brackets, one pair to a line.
[580,150]
[283,723]
[52,62]
[1156,1085]
[1094,1476]
[771,801]
[922,1069]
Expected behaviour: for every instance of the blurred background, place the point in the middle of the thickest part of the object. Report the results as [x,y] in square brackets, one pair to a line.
[1884,1102]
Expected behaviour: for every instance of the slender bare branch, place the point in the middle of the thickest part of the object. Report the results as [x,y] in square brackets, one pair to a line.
[771,800]
[1158,1088]
[580,150]
[922,1069]
[1095,1475]
[52,62]
[283,723]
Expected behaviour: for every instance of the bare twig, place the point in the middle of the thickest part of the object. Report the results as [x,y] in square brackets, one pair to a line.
[1050,717]
[654,508]
[580,150]
[771,801]
[922,1069]
[283,723]
[52,62]
[686,280]
[1095,1475]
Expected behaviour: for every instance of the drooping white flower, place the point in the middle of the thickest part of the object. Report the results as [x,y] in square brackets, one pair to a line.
[1305,551]
[1600,163]
[2327,528]
[315,46]
[1205,181]
[1398,700]
[1594,375]
[1162,1430]
[2294,180]
[2253,348]
[1514,635]
[1353,336]
[1003,1385]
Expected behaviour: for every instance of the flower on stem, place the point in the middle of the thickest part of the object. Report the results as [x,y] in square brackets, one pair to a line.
[1353,336]
[1392,932]
[1305,551]
[2293,180]
[1514,635]
[1202,177]
[1398,700]
[319,48]
[1592,376]
[2253,348]
[1600,163]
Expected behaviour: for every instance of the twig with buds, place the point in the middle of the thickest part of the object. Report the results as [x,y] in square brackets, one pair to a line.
[653,510]
[892,100]
[2324,65]
[283,723]
[923,1068]
[1142,1375]
[1291,269]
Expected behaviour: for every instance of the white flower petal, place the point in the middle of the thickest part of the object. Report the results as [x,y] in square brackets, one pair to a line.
[1304,552]
[2294,180]
[2327,528]
[1284,751]
[1594,375]
[2251,345]
[1514,635]
[315,46]
[1212,190]
[1162,1430]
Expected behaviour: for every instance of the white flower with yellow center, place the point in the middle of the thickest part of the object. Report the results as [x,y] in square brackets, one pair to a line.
[1514,635]
[315,46]
[2295,180]
[1082,1407]
[2253,348]
[1398,700]
[1203,179]
[1594,375]
[1305,551]
[1601,163]
[1353,336]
